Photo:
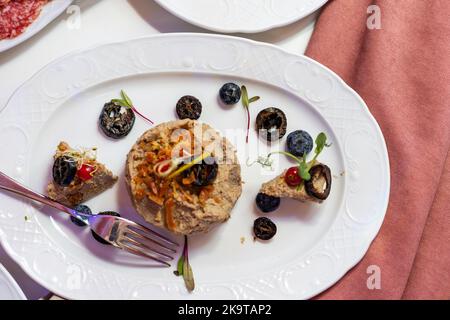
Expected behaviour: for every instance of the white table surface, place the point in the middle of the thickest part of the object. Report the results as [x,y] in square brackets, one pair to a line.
[105,21]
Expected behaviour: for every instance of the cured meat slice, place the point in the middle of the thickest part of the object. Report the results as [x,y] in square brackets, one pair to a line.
[17,15]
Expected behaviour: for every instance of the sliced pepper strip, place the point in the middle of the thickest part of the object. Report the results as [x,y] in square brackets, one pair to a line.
[189,165]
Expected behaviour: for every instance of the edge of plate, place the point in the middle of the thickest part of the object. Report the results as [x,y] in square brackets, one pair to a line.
[23,265]
[12,282]
[237,30]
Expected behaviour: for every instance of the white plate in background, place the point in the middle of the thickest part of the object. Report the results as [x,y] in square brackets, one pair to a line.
[247,16]
[315,244]
[9,289]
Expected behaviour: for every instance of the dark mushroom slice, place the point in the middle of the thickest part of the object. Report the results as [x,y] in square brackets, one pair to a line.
[189,107]
[264,228]
[319,186]
[272,123]
[116,121]
[64,170]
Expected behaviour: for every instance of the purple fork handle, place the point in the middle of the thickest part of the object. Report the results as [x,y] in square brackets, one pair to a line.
[9,184]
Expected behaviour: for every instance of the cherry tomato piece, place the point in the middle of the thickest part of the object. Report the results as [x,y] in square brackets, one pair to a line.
[86,172]
[292,177]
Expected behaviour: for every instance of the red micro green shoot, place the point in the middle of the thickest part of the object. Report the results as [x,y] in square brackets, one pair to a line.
[127,103]
[246,103]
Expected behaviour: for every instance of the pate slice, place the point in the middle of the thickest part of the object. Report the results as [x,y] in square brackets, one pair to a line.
[81,189]
[178,204]
[315,190]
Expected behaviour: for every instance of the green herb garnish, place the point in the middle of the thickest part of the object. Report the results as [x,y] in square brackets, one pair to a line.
[303,166]
[265,162]
[184,268]
[246,103]
[127,103]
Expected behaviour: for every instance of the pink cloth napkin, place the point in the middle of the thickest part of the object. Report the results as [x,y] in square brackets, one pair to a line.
[402,71]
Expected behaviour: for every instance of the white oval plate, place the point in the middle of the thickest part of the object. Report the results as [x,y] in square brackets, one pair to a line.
[315,245]
[49,12]
[9,289]
[248,16]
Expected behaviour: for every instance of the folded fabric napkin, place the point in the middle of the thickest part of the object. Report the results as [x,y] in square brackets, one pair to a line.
[401,68]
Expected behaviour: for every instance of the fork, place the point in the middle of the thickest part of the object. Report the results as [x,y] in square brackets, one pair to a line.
[121,233]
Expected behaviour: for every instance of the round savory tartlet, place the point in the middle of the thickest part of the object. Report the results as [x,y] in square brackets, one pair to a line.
[183,176]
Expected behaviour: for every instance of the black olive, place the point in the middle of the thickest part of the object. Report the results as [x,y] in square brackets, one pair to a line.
[319,186]
[189,107]
[97,237]
[204,173]
[264,228]
[64,170]
[83,209]
[116,121]
[272,122]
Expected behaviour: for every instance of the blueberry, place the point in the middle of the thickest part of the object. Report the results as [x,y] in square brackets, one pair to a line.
[267,203]
[83,209]
[97,237]
[299,143]
[116,121]
[64,170]
[230,93]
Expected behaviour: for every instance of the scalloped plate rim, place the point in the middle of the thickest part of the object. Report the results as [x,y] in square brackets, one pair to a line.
[224,29]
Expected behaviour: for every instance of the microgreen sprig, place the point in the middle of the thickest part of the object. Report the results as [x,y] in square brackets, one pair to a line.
[184,268]
[246,101]
[264,161]
[127,103]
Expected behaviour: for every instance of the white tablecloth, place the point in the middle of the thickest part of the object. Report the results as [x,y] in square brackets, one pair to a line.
[105,21]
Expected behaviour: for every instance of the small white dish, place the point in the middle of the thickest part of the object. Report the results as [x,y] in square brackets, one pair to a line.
[49,12]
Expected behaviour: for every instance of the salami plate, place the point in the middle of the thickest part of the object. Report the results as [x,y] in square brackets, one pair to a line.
[20,20]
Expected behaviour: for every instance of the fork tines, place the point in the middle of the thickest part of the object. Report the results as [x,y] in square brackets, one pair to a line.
[147,243]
